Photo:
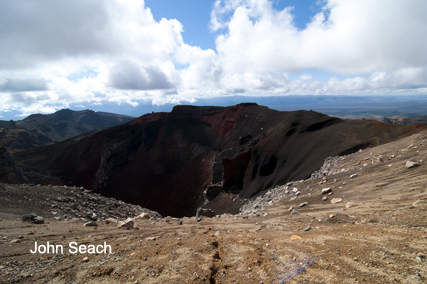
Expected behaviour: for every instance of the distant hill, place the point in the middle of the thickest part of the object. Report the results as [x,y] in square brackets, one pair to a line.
[39,129]
[199,156]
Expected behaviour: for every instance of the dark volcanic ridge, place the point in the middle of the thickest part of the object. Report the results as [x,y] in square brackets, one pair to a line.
[211,157]
[39,130]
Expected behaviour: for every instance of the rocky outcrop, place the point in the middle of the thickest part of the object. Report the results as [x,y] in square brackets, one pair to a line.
[9,172]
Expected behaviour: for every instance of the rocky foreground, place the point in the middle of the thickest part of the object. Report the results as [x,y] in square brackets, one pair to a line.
[362,218]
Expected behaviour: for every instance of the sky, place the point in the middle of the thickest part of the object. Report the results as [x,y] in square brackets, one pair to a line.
[122,55]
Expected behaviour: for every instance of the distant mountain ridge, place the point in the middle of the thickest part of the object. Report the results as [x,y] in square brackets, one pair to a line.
[43,129]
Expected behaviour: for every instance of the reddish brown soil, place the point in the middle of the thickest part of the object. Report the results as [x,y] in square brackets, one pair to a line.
[381,240]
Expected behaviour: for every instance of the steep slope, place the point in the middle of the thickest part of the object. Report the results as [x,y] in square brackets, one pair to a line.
[167,161]
[20,139]
[38,130]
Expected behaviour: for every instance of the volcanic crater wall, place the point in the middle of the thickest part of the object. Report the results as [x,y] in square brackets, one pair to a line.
[176,162]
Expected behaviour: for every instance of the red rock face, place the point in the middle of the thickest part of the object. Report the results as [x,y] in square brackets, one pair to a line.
[166,161]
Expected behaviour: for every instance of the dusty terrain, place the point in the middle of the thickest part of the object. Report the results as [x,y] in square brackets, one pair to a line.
[382,239]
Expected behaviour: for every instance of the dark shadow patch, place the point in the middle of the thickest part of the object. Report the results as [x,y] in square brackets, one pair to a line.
[245,139]
[234,171]
[320,125]
[290,132]
[354,149]
[268,169]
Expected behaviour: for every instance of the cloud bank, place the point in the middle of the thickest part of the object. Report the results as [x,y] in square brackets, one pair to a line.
[54,54]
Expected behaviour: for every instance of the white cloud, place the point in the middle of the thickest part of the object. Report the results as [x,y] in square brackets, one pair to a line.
[357,37]
[57,53]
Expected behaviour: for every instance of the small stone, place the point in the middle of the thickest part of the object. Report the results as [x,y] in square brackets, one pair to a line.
[86,259]
[307,229]
[20,237]
[110,220]
[294,211]
[418,259]
[291,208]
[93,216]
[91,224]
[418,202]
[151,239]
[295,237]
[144,216]
[353,175]
[325,198]
[303,204]
[411,164]
[127,224]
[217,233]
[179,222]
[336,200]
[38,220]
[350,204]
[15,241]
[326,190]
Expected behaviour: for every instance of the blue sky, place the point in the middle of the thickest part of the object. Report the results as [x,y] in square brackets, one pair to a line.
[133,54]
[195,16]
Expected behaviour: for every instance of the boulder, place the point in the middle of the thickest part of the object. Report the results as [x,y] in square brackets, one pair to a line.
[350,204]
[110,220]
[411,164]
[144,215]
[336,200]
[205,212]
[303,204]
[127,224]
[326,190]
[38,220]
[33,218]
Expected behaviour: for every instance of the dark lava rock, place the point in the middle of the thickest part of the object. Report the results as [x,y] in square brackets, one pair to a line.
[9,172]
[33,218]
[212,191]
